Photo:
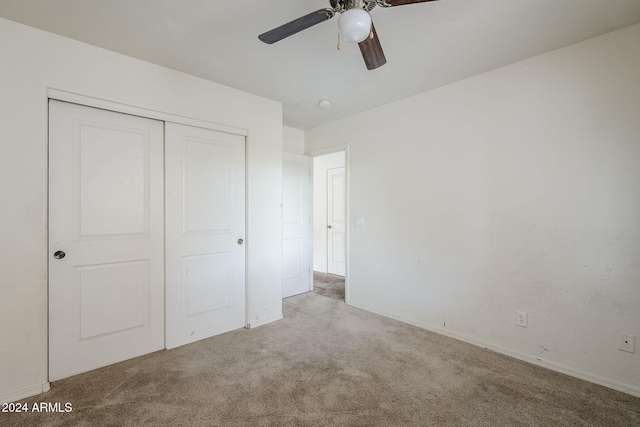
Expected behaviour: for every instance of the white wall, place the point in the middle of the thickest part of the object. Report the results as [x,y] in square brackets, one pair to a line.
[518,189]
[32,62]
[292,140]
[320,166]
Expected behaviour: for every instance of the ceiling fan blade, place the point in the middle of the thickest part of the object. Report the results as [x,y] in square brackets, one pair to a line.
[403,2]
[371,50]
[297,25]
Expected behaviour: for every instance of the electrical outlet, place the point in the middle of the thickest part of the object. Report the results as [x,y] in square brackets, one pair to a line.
[627,342]
[521,318]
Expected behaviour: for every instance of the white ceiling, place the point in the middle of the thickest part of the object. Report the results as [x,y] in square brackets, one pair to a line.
[427,45]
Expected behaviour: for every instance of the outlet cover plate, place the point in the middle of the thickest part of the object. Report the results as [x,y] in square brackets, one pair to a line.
[627,342]
[521,318]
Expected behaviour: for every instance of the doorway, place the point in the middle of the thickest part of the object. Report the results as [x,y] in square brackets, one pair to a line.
[330,224]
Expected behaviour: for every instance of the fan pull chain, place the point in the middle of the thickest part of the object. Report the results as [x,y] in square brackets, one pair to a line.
[338,41]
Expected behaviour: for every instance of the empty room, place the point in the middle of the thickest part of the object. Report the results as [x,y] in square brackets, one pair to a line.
[320,212]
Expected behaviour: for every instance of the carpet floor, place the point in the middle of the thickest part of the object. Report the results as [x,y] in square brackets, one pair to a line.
[328,285]
[328,364]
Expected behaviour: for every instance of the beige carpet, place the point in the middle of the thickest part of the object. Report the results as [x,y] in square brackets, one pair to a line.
[328,364]
[328,285]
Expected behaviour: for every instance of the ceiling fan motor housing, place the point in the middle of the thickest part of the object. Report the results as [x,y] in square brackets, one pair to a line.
[352,4]
[340,6]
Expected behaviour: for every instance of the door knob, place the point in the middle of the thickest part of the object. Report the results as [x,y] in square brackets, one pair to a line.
[59,255]
[328,226]
[240,241]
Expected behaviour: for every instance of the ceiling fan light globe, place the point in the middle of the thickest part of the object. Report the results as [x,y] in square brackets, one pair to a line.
[354,25]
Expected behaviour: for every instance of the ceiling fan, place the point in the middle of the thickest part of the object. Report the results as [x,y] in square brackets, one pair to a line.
[354,25]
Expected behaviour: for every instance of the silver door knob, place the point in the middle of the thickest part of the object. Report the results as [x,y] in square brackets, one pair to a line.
[240,241]
[328,226]
[59,255]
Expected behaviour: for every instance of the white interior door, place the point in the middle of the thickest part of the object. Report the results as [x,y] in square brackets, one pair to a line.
[205,228]
[336,221]
[106,295]
[296,224]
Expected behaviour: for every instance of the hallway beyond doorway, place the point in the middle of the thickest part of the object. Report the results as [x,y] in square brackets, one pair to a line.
[328,285]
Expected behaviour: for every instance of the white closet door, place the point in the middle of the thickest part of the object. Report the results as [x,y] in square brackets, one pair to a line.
[296,224]
[205,228]
[106,292]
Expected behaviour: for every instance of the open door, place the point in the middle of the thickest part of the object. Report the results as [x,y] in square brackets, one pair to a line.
[296,224]
[336,222]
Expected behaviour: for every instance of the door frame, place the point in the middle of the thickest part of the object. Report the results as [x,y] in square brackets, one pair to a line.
[118,107]
[330,150]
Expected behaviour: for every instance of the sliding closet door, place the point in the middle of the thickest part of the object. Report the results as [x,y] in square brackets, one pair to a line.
[205,232]
[106,238]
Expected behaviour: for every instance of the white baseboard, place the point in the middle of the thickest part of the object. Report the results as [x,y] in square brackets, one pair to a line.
[265,320]
[23,393]
[554,366]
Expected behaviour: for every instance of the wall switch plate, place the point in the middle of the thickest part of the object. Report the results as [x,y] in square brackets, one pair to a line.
[521,318]
[627,342]
[359,221]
